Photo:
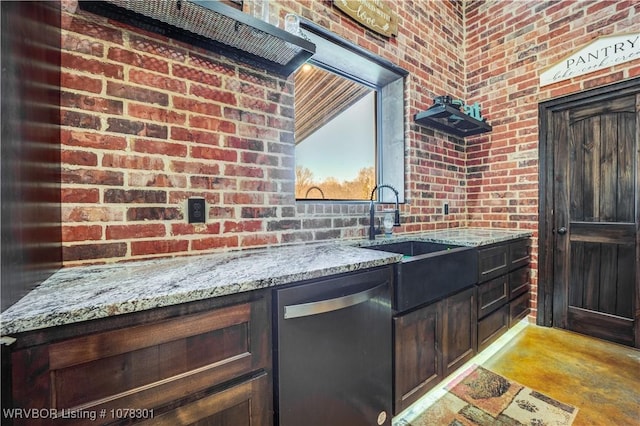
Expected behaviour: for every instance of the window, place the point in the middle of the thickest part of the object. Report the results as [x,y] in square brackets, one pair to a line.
[349,122]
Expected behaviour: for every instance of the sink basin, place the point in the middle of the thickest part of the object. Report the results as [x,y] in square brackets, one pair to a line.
[430,271]
[413,248]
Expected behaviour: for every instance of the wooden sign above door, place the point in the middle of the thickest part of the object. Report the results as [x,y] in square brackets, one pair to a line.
[373,14]
[603,52]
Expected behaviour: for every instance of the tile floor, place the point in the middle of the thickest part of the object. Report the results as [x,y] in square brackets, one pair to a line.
[602,379]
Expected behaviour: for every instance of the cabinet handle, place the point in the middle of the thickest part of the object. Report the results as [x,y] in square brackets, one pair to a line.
[323,306]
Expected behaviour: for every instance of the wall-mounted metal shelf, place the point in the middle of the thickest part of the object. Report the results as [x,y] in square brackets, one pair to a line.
[450,119]
[213,26]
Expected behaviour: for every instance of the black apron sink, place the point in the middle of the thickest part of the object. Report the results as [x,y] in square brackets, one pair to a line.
[430,271]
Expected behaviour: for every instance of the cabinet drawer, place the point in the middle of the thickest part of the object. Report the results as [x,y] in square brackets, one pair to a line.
[518,309]
[519,254]
[492,326]
[246,404]
[518,282]
[492,295]
[148,365]
[493,262]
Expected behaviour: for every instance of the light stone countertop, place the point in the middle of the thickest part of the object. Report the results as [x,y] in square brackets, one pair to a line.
[89,292]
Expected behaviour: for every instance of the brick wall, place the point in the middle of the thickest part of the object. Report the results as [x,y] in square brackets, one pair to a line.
[509,43]
[148,122]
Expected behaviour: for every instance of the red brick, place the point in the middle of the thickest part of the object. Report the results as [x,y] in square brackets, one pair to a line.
[150,113]
[242,226]
[139,248]
[93,29]
[159,180]
[78,82]
[91,177]
[197,106]
[194,135]
[210,153]
[123,232]
[137,60]
[80,120]
[125,91]
[214,243]
[240,198]
[206,77]
[212,182]
[92,66]
[119,125]
[79,195]
[258,240]
[143,196]
[221,96]
[90,103]
[245,171]
[93,251]
[78,158]
[195,168]
[243,143]
[157,48]
[92,140]
[157,81]
[159,147]
[218,67]
[213,124]
[154,213]
[132,162]
[81,233]
[91,214]
[256,158]
[190,229]
[74,43]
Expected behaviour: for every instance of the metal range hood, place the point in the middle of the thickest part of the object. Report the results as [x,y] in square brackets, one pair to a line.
[445,116]
[213,26]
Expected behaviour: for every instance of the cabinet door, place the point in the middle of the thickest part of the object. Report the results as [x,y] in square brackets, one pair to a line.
[459,336]
[146,366]
[417,358]
[243,404]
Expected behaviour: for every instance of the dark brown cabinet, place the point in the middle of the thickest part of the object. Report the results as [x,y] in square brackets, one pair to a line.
[430,343]
[418,365]
[459,330]
[503,288]
[203,363]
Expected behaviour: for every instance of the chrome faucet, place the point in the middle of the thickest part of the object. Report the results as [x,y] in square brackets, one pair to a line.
[396,220]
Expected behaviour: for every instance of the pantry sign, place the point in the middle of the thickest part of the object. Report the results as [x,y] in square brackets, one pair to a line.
[604,52]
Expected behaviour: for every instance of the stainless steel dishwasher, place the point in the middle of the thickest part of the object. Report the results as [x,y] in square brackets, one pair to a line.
[332,352]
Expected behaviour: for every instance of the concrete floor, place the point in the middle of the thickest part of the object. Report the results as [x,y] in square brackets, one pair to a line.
[601,379]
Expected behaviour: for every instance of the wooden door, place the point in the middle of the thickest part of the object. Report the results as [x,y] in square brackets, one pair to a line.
[595,218]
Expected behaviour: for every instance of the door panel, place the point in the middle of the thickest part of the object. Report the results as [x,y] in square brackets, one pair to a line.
[595,197]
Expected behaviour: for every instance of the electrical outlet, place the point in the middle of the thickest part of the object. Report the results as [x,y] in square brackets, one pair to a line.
[197,210]
[445,208]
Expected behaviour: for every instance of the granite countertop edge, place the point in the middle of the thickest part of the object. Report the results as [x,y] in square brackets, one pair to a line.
[77,294]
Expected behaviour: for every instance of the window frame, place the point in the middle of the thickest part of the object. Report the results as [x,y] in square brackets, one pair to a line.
[355,63]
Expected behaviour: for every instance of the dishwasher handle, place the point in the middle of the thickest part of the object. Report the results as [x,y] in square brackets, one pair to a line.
[329,305]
